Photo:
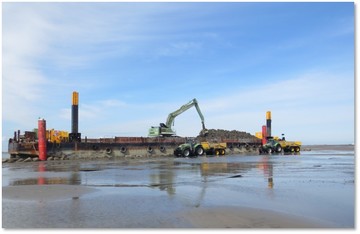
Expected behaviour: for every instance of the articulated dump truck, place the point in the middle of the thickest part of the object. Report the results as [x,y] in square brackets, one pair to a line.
[274,144]
[198,149]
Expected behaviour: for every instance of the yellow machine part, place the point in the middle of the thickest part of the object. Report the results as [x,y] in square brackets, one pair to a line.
[206,145]
[290,143]
[56,136]
[258,135]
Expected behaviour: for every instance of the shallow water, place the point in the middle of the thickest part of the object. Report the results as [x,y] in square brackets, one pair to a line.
[146,193]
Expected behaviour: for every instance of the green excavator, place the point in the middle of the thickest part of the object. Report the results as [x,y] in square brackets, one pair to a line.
[165,129]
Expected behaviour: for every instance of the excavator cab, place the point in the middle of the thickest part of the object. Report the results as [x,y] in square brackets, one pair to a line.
[163,125]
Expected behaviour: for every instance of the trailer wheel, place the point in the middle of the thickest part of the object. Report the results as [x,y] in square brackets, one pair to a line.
[186,153]
[297,149]
[278,149]
[222,152]
[199,150]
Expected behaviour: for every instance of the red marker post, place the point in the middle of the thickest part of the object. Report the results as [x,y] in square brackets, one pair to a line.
[42,139]
[264,135]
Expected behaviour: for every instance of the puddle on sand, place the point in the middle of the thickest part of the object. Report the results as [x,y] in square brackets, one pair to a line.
[294,184]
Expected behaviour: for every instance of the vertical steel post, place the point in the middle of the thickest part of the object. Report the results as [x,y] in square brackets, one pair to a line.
[75,136]
[75,113]
[268,123]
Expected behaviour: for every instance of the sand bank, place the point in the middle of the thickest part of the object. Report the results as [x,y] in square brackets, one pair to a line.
[244,217]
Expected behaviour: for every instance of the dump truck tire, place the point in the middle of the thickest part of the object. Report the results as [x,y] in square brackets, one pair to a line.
[297,149]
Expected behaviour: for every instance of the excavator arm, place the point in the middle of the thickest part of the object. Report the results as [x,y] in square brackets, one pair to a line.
[182,109]
[165,129]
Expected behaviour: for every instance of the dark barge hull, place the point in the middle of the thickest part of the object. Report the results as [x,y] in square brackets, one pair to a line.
[119,147]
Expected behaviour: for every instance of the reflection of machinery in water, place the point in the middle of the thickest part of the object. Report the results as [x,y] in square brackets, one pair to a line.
[267,168]
[193,191]
[212,169]
[164,180]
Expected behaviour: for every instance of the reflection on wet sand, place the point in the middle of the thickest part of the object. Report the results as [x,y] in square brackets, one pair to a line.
[43,178]
[267,168]
[163,177]
[162,187]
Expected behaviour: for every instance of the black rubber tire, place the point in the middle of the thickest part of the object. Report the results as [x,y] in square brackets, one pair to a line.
[199,151]
[269,150]
[150,150]
[123,149]
[162,149]
[278,149]
[186,152]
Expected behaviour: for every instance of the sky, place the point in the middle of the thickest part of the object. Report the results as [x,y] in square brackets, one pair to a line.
[134,63]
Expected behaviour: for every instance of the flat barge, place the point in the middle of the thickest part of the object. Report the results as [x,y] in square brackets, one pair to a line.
[43,144]
[116,147]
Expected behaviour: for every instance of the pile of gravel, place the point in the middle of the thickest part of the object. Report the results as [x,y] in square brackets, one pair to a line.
[219,135]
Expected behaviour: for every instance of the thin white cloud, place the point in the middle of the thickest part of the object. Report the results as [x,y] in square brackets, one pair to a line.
[34,33]
[179,49]
[312,89]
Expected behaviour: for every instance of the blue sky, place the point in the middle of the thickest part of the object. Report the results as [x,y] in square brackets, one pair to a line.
[134,63]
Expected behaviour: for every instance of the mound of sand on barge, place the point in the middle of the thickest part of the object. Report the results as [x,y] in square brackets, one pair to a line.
[219,135]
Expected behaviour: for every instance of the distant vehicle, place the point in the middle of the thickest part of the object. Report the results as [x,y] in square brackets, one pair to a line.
[276,145]
[289,146]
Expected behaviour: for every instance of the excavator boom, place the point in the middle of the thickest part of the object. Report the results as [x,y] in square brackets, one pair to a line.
[165,129]
[182,109]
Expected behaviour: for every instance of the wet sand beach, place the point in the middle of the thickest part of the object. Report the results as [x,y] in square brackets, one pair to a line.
[312,190]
